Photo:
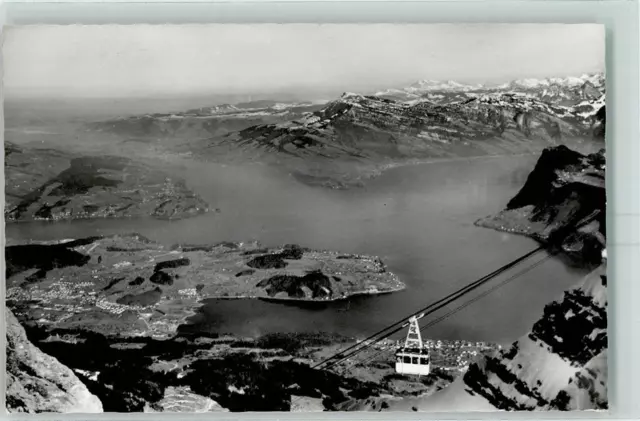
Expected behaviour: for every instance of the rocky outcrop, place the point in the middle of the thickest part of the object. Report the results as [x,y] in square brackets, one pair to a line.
[599,123]
[560,361]
[37,382]
[561,364]
[564,188]
[45,184]
[587,389]
[181,399]
[195,373]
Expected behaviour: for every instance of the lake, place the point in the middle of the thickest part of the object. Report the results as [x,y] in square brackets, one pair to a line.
[418,219]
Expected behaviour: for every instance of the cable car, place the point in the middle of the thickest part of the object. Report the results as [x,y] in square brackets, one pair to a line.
[414,356]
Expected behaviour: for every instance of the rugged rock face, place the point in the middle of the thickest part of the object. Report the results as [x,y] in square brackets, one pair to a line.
[181,399]
[75,187]
[360,126]
[565,187]
[561,364]
[195,373]
[600,122]
[37,382]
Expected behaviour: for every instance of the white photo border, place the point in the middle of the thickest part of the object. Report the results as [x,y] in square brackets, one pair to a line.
[621,20]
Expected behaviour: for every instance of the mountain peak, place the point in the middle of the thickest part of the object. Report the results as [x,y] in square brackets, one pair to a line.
[350,95]
[436,85]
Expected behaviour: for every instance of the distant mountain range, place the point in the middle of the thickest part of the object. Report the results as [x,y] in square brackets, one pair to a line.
[428,120]
[205,121]
[370,126]
[563,91]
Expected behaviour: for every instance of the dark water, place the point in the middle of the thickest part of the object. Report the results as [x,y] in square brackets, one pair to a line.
[419,219]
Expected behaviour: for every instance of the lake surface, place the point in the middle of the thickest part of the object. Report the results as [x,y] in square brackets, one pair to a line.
[418,219]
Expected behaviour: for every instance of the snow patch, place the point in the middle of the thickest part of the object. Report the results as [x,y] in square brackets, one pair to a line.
[233,389]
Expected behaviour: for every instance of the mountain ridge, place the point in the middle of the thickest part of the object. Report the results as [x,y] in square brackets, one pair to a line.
[540,371]
[561,363]
[343,142]
[549,88]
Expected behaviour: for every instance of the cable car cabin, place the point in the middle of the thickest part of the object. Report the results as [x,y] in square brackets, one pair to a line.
[413,357]
[413,361]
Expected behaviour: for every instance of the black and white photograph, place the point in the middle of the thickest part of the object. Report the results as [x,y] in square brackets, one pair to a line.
[305,217]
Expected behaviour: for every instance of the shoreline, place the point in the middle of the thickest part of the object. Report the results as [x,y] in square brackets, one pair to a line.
[96,277]
[303,300]
[377,170]
[335,185]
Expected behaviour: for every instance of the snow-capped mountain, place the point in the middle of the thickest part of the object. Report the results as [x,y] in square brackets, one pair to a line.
[374,129]
[434,85]
[439,124]
[559,90]
[561,363]
[206,121]
[596,80]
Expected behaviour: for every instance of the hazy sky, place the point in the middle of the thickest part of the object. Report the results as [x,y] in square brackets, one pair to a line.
[147,60]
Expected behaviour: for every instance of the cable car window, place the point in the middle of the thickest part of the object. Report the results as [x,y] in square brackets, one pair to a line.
[407,360]
[424,361]
[398,359]
[415,360]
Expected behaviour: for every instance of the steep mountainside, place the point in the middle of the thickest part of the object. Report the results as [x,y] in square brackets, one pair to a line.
[561,364]
[47,184]
[356,136]
[37,382]
[564,187]
[362,126]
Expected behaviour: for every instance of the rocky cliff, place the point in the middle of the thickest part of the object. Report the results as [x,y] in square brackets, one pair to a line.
[37,382]
[564,187]
[561,364]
